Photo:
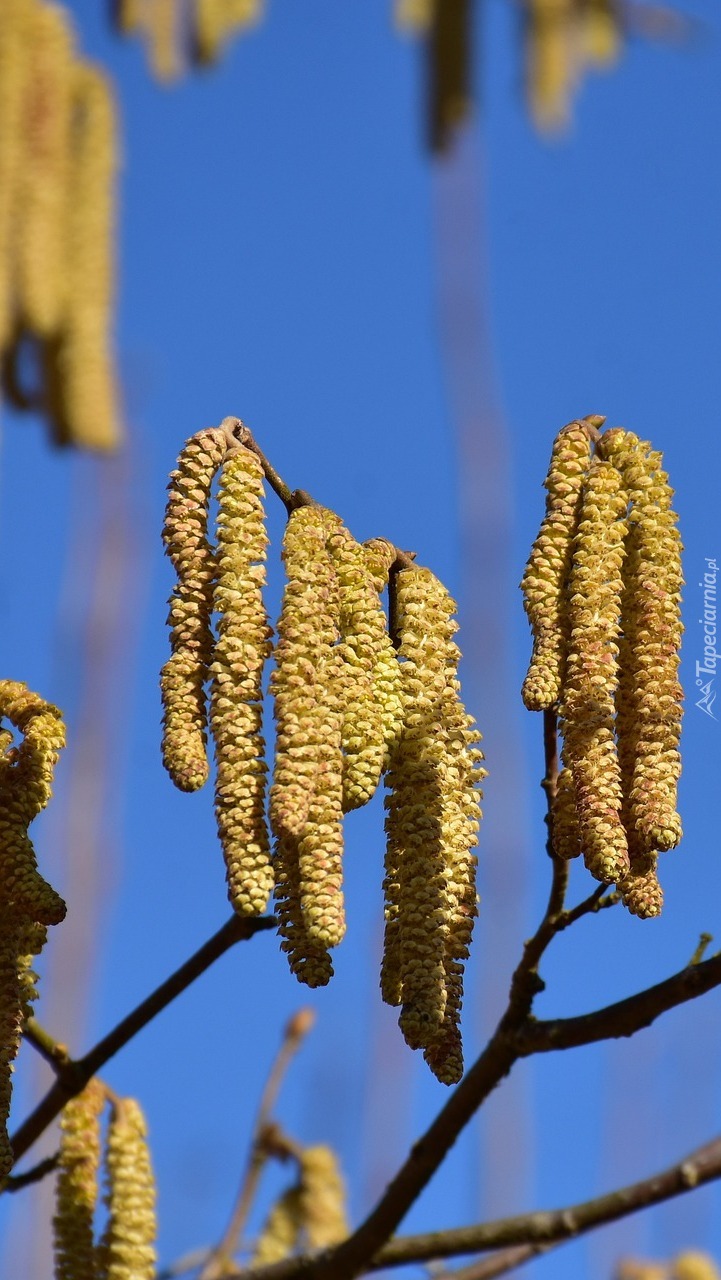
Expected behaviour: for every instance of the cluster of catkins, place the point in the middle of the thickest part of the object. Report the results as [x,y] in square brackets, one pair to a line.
[310,1214]
[126,1247]
[58,155]
[28,904]
[689,1265]
[602,593]
[178,31]
[350,707]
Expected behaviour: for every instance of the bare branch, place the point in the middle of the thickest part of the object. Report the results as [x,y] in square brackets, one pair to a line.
[73,1076]
[36,1174]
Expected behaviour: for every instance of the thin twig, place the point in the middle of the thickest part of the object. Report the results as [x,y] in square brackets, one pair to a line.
[296,1030]
[74,1075]
[44,1044]
[591,905]
[497,1265]
[540,1229]
[16,1182]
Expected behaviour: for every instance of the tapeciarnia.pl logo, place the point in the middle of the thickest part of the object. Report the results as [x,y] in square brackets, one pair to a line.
[706,671]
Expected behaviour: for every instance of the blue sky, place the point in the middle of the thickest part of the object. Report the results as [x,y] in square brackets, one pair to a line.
[289,253]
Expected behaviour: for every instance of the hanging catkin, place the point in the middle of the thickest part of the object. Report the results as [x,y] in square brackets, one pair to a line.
[44,192]
[544,579]
[280,1231]
[322,1198]
[216,21]
[127,1249]
[76,1189]
[308,958]
[551,60]
[14,60]
[588,704]
[241,649]
[183,678]
[80,367]
[431,825]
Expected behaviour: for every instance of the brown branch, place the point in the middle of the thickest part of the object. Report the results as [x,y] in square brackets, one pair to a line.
[39,1171]
[497,1265]
[44,1044]
[295,1032]
[74,1075]
[531,1231]
[625,1017]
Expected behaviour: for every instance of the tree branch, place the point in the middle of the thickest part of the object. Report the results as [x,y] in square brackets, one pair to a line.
[72,1076]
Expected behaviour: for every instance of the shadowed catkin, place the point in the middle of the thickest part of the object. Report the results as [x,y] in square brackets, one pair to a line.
[46,134]
[241,649]
[80,364]
[127,1250]
[183,677]
[76,1189]
[431,826]
[566,831]
[281,1230]
[591,680]
[322,1198]
[548,566]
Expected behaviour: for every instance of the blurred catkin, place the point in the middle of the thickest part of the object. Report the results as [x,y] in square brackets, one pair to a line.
[76,1189]
[281,1230]
[322,1198]
[546,574]
[241,649]
[14,64]
[217,21]
[183,678]
[127,1249]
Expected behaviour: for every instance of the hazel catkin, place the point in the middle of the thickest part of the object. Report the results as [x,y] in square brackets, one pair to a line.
[76,1190]
[241,648]
[127,1249]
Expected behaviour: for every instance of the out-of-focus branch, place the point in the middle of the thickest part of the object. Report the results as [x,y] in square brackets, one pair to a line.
[74,1075]
[499,1264]
[36,1174]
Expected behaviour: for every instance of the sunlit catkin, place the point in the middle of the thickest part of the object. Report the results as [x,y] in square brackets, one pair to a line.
[649,699]
[128,1245]
[216,21]
[161,21]
[546,573]
[414,15]
[241,649]
[183,678]
[431,825]
[46,134]
[600,32]
[588,705]
[14,62]
[694,1265]
[80,364]
[76,1189]
[551,60]
[308,958]
[364,636]
[281,1230]
[386,677]
[307,630]
[322,1198]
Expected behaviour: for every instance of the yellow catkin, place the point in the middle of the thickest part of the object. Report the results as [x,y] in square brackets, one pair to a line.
[128,1245]
[364,636]
[15,54]
[80,365]
[566,831]
[46,133]
[281,1230]
[182,680]
[161,20]
[130,15]
[31,940]
[548,566]
[380,556]
[551,61]
[308,958]
[601,35]
[650,695]
[588,706]
[217,20]
[307,630]
[322,1198]
[431,824]
[414,15]
[638,1269]
[76,1189]
[241,649]
[694,1265]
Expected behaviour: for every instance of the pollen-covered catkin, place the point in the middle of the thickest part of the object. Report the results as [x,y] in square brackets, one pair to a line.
[241,649]
[364,636]
[183,678]
[308,958]
[280,1231]
[14,63]
[650,695]
[307,630]
[127,1250]
[322,1198]
[588,705]
[46,133]
[81,369]
[566,831]
[431,825]
[76,1189]
[546,573]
